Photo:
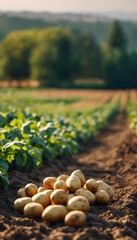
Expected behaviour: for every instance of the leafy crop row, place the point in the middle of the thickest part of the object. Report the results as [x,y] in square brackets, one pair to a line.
[27,139]
[132,115]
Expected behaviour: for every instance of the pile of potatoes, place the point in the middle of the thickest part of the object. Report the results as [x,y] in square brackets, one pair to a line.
[64,198]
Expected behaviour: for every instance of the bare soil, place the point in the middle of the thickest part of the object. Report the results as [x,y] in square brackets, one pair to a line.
[112,156]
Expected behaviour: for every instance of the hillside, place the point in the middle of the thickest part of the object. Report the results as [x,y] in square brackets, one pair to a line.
[96,25]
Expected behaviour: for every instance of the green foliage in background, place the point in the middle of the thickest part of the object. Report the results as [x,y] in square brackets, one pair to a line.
[119,66]
[51,59]
[16,50]
[98,29]
[56,57]
[89,57]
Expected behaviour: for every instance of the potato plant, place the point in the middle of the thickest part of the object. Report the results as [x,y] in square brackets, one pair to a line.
[27,139]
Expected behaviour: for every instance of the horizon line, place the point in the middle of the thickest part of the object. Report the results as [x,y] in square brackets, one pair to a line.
[75,12]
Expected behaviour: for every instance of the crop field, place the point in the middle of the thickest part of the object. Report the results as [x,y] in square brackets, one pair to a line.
[56,131]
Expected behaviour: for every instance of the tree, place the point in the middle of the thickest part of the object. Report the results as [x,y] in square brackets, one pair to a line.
[133,70]
[52,58]
[117,39]
[16,52]
[116,64]
[89,57]
[117,69]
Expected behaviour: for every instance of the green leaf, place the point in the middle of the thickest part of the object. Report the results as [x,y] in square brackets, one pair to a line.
[4,179]
[3,120]
[26,127]
[16,143]
[3,165]
[19,159]
[10,116]
[14,134]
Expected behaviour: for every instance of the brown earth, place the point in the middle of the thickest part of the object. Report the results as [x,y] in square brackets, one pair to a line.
[112,156]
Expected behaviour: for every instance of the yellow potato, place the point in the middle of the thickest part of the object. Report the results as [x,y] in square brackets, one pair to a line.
[73,183]
[60,184]
[41,198]
[91,185]
[80,175]
[75,219]
[31,189]
[33,210]
[78,203]
[59,197]
[48,192]
[70,196]
[62,177]
[41,189]
[102,197]
[20,203]
[87,194]
[48,182]
[104,186]
[21,193]
[54,213]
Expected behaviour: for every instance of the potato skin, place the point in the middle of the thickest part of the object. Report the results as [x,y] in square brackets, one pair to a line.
[21,193]
[73,183]
[80,175]
[75,218]
[59,196]
[48,182]
[20,203]
[104,186]
[60,184]
[71,195]
[78,203]
[54,213]
[63,177]
[91,185]
[87,194]
[41,198]
[41,189]
[33,210]
[31,189]
[102,197]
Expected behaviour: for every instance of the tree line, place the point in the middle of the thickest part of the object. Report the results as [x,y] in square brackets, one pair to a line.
[56,57]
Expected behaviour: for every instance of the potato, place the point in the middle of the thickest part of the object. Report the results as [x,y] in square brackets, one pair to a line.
[102,197]
[54,213]
[80,175]
[31,189]
[33,210]
[87,194]
[62,177]
[60,185]
[20,203]
[21,193]
[41,189]
[91,185]
[104,186]
[59,196]
[41,198]
[48,192]
[70,196]
[73,183]
[78,203]
[48,182]
[75,219]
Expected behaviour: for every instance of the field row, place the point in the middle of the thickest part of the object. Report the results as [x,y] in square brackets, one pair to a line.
[53,123]
[26,139]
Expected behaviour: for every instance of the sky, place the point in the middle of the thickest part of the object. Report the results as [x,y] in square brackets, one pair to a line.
[128,6]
